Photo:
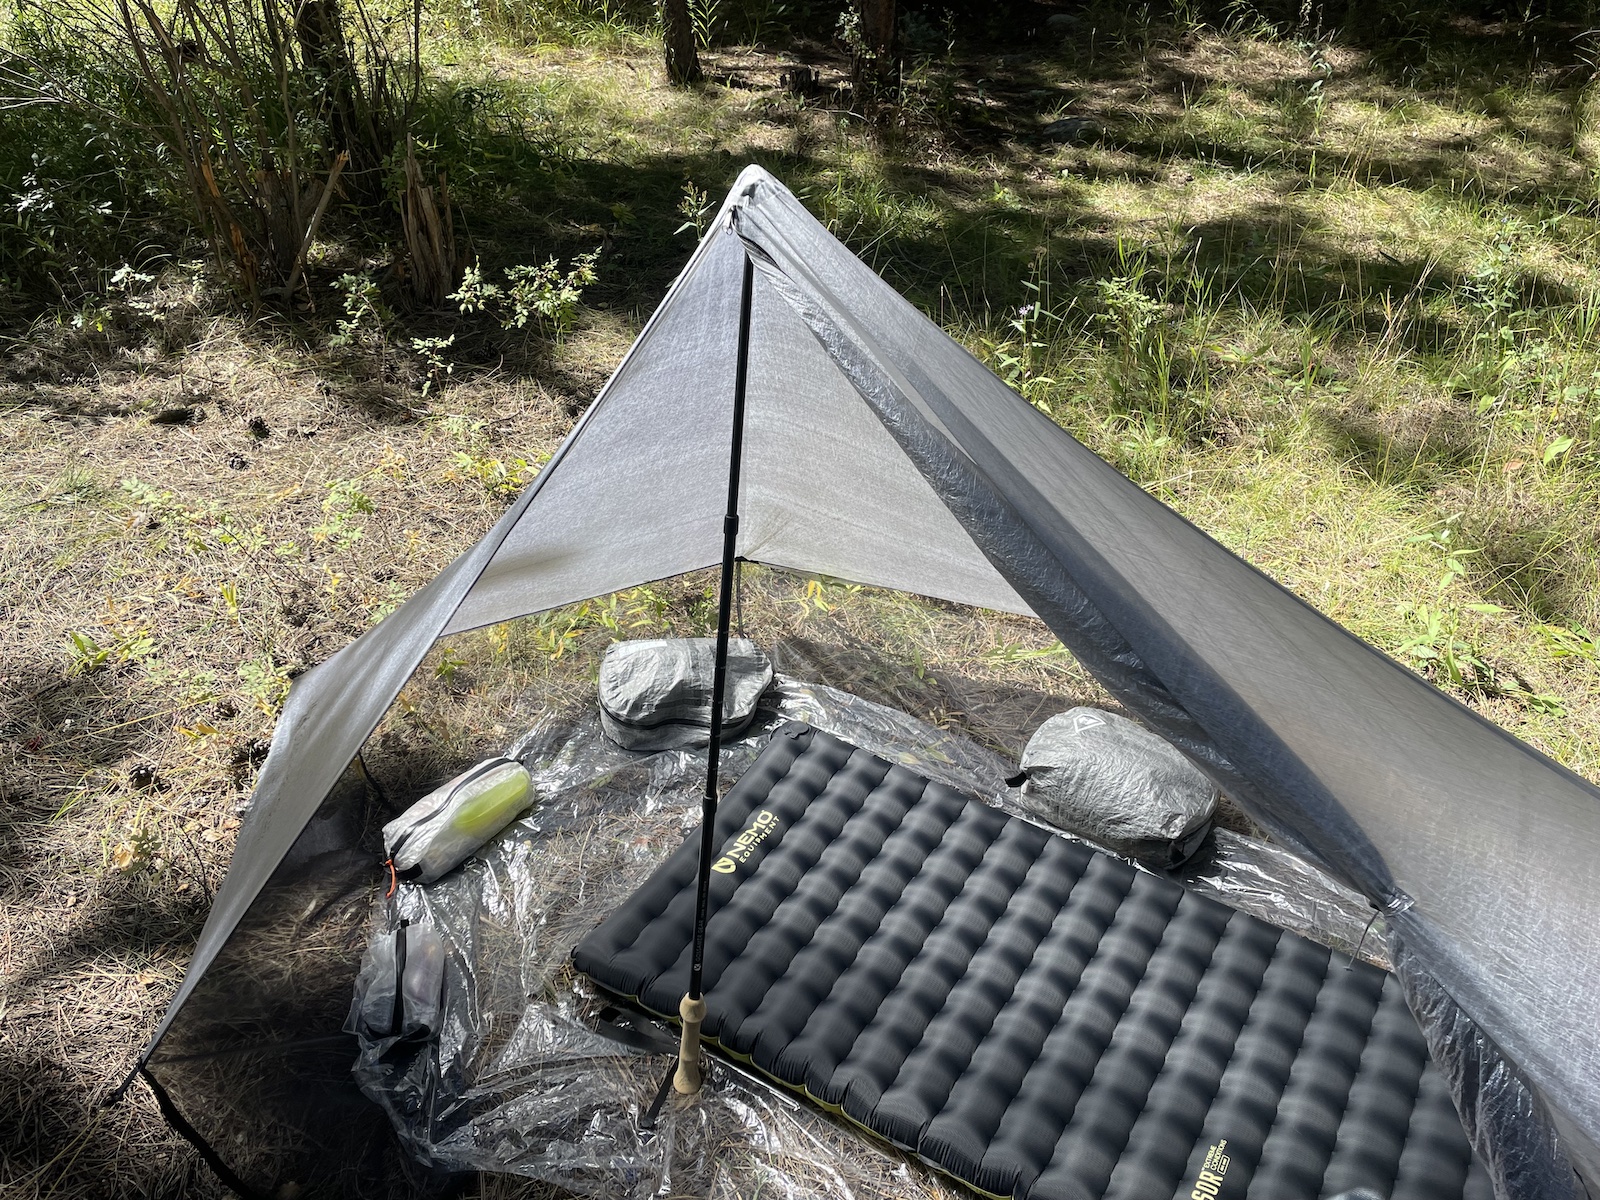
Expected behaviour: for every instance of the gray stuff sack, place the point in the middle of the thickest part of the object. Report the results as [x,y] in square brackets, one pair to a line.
[1114,782]
[656,694]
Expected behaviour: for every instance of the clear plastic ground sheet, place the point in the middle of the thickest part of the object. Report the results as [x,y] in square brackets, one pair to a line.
[1285,890]
[518,1079]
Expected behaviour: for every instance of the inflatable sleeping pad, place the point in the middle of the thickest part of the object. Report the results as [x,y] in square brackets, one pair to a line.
[1033,1017]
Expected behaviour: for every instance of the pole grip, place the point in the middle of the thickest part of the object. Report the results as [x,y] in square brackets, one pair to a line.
[687,1079]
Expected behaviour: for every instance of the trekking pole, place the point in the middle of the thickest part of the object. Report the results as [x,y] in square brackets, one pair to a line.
[692,1008]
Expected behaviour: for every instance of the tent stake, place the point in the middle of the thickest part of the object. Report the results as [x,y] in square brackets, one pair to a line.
[692,1008]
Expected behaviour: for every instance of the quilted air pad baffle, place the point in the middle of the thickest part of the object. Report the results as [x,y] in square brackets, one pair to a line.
[1035,1018]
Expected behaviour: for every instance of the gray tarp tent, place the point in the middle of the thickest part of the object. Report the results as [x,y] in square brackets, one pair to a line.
[878,450]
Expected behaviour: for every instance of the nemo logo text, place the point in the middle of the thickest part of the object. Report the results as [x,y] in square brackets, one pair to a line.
[743,846]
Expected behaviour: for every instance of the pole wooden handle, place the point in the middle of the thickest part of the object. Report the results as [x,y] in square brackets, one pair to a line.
[687,1080]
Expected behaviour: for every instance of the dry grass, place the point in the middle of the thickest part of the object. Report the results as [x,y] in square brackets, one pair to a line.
[123,779]
[213,505]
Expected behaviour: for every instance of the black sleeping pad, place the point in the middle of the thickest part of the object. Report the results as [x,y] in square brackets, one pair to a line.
[1033,1017]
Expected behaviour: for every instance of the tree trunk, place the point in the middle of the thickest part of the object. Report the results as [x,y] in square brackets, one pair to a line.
[353,116]
[877,27]
[683,64]
[875,68]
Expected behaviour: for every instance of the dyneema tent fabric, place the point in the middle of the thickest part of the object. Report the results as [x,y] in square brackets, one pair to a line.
[878,450]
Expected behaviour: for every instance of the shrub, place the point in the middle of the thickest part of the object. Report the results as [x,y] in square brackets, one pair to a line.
[252,114]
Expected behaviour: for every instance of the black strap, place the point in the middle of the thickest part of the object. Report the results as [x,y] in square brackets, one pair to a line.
[648,1121]
[191,1135]
[635,1033]
[372,781]
[1356,953]
[398,1020]
[641,1033]
[122,1088]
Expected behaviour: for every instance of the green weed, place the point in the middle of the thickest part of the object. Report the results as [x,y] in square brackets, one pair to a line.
[264,683]
[342,509]
[542,294]
[86,653]
[1021,358]
[1436,645]
[697,208]
[366,318]
[431,351]
[1573,642]
[708,18]
[449,664]
[500,479]
[637,612]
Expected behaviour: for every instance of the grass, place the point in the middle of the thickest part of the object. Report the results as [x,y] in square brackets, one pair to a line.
[1332,301]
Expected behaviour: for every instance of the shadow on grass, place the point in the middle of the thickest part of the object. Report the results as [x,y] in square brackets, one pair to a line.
[1520,553]
[1411,448]
[956,212]
[46,1123]
[1534,559]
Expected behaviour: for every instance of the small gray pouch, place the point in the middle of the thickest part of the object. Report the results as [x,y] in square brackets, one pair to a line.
[400,986]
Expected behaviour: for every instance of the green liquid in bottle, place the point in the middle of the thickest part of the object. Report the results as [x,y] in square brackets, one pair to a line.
[487,813]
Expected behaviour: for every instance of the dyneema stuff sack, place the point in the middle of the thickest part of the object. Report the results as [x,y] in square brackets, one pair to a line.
[656,694]
[1114,782]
